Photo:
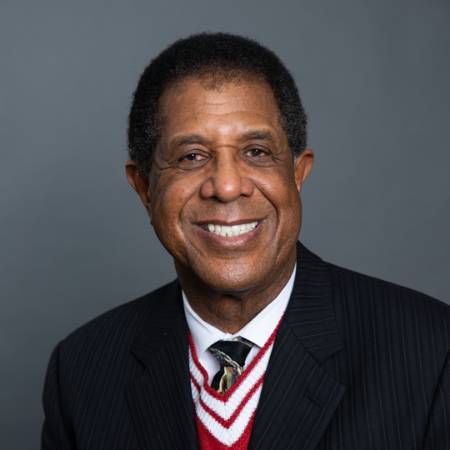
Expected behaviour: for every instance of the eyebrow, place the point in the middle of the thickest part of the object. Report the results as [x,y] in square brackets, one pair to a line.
[188,139]
[258,135]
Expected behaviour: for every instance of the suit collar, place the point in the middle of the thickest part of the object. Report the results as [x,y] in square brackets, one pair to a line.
[310,313]
[299,396]
[159,396]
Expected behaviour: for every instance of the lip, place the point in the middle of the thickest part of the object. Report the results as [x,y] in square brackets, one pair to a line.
[203,223]
[229,242]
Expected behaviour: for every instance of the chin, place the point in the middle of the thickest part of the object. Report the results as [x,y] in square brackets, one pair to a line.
[234,278]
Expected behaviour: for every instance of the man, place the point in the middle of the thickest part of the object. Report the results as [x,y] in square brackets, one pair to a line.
[259,343]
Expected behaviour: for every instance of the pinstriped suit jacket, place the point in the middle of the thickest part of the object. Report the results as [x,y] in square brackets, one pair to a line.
[358,364]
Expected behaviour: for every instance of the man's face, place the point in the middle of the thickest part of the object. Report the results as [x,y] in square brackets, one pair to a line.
[223,193]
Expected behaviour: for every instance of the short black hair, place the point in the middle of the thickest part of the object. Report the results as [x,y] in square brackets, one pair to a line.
[222,55]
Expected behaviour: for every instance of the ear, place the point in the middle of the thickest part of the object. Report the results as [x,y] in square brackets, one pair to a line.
[302,167]
[138,182]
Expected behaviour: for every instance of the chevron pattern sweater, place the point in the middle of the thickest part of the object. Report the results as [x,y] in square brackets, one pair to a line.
[225,421]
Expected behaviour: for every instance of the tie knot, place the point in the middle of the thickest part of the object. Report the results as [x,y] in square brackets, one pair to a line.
[231,353]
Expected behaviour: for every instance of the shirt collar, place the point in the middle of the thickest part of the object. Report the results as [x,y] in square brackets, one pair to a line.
[257,330]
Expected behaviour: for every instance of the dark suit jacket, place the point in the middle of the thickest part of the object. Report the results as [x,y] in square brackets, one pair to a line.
[358,364]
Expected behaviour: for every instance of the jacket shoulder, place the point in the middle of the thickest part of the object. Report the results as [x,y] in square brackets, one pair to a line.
[347,275]
[377,301]
[116,327]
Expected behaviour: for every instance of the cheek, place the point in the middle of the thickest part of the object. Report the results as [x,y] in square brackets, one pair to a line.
[283,194]
[170,197]
[281,190]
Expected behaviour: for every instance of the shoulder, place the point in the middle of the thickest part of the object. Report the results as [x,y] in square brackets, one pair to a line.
[355,284]
[388,308]
[114,330]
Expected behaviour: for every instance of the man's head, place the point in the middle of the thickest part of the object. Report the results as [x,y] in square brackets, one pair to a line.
[218,155]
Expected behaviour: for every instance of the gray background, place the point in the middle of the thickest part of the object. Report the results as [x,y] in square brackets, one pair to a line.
[374,77]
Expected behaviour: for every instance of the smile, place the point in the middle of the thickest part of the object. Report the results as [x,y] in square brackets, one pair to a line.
[230,230]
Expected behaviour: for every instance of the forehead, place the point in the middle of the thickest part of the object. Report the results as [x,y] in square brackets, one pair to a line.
[212,107]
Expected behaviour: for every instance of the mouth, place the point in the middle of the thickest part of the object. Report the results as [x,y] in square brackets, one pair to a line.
[229,230]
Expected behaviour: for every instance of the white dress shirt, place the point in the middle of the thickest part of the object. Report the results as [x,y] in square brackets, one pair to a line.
[258,330]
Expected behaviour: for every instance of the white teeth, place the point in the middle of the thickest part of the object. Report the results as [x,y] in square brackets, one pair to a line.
[234,230]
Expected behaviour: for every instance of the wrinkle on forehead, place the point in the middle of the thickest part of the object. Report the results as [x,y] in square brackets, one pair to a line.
[190,98]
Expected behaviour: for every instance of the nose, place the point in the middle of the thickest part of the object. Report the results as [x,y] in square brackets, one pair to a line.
[226,181]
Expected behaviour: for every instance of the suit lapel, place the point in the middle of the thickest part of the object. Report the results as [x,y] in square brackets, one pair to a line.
[299,396]
[159,396]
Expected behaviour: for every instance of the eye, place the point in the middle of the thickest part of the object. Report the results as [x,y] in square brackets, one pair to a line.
[192,157]
[191,160]
[257,153]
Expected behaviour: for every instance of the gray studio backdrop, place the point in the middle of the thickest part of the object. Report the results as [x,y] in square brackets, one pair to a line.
[374,77]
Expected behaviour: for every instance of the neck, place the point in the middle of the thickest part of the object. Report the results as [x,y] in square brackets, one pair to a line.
[231,311]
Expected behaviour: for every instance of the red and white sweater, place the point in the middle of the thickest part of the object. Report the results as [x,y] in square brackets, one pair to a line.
[225,421]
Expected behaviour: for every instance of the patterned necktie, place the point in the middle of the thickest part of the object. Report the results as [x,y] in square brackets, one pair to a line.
[231,356]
